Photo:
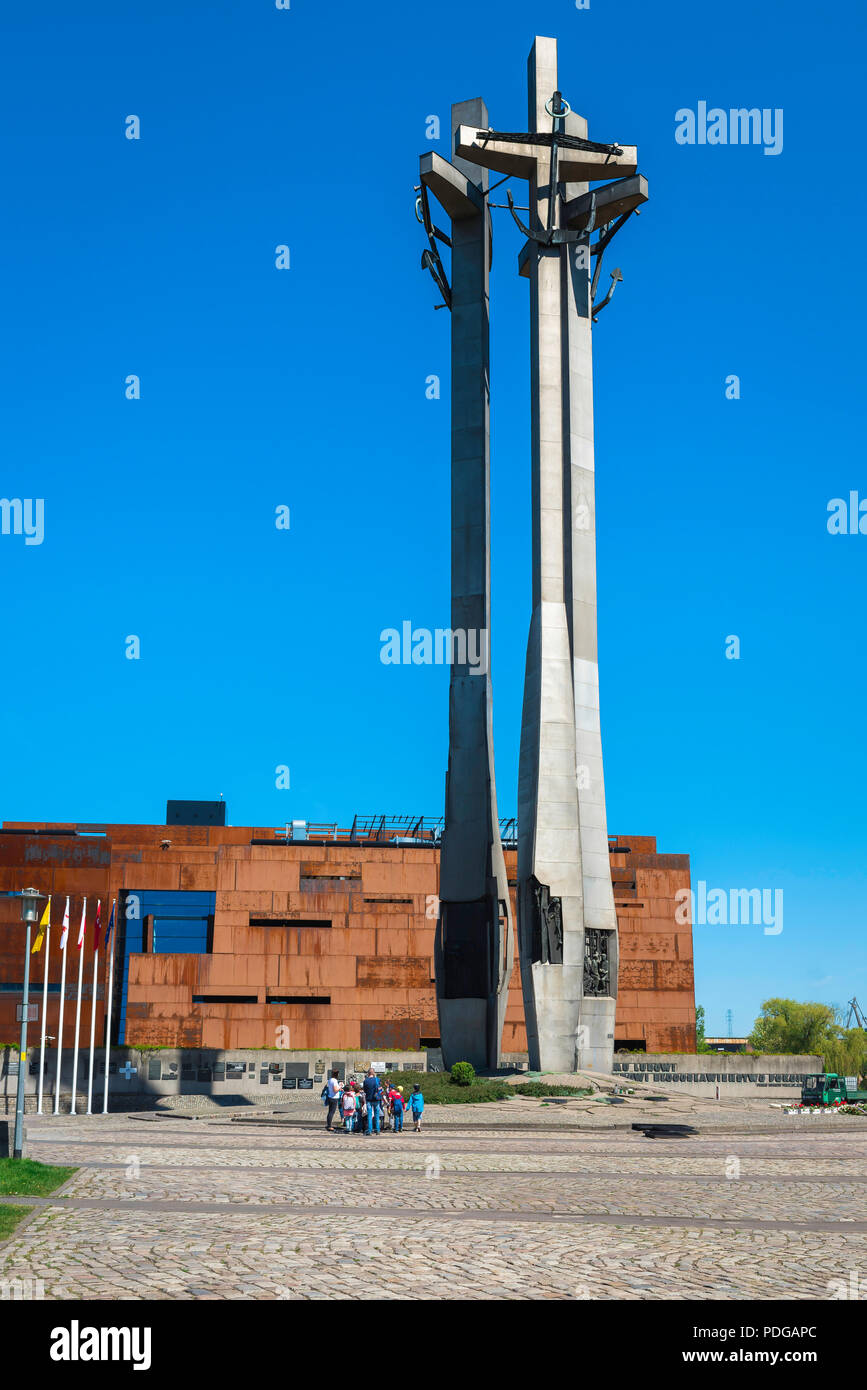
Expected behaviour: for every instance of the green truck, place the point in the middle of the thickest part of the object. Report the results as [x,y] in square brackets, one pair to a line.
[831,1089]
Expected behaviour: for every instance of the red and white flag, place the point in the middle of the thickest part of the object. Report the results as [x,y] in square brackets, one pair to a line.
[83,924]
[65,932]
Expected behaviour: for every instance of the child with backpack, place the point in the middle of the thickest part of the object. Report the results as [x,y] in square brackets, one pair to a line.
[348,1103]
[416,1105]
[397,1108]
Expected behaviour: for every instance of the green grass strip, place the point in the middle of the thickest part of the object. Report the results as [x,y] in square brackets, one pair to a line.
[24,1177]
[10,1216]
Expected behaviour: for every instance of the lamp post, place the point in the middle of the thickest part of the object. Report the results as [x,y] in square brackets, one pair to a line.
[30,900]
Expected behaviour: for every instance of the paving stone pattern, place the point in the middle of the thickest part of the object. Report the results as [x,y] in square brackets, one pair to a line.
[756,1205]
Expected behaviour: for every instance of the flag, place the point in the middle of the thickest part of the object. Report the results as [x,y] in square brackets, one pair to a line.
[40,935]
[110,924]
[96,926]
[81,929]
[65,930]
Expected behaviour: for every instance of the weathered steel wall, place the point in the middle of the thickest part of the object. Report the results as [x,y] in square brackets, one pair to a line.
[371,968]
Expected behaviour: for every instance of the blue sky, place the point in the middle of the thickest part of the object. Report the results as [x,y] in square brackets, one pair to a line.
[306,388]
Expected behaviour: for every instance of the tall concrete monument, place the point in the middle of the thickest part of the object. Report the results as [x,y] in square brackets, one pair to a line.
[567,925]
[473,947]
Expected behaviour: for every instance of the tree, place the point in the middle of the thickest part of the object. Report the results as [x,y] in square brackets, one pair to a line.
[784,1025]
[700,1044]
[847,1054]
[787,1026]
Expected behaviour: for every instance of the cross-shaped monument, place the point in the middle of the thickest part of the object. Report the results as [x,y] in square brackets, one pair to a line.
[567,924]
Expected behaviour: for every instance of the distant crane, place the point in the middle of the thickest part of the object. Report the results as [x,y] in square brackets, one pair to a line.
[856,1012]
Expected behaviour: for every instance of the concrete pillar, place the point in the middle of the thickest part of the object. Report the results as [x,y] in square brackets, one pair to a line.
[473,953]
[549,853]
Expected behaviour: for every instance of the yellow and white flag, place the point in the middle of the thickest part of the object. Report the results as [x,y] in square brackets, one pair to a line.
[40,935]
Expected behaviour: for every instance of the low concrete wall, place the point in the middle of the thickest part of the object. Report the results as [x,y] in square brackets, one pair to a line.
[703,1074]
[137,1074]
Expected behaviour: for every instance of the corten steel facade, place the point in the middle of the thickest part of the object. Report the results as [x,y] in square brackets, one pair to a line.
[229,939]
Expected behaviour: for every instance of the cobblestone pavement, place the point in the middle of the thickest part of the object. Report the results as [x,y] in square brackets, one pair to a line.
[756,1205]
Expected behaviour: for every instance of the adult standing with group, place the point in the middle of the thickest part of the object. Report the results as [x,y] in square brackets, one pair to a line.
[331,1098]
[373,1096]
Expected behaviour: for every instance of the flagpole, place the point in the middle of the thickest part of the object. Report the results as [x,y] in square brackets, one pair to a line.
[93,1010]
[82,933]
[44,1008]
[108,1004]
[63,939]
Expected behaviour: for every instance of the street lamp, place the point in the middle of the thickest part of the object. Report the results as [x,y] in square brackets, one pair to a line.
[30,900]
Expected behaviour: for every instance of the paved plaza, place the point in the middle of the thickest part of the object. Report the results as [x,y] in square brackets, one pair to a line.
[518,1200]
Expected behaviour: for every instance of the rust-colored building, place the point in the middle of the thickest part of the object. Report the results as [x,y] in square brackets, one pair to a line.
[227,935]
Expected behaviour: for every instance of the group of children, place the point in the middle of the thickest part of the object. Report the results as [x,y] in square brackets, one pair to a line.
[362,1107]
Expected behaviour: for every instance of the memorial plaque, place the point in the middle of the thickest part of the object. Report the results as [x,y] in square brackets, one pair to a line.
[12,1069]
[274,1068]
[219,1071]
[34,1068]
[264,1078]
[112,1068]
[235,1070]
[305,1083]
[169,1076]
[203,1074]
[155,1070]
[290,1083]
